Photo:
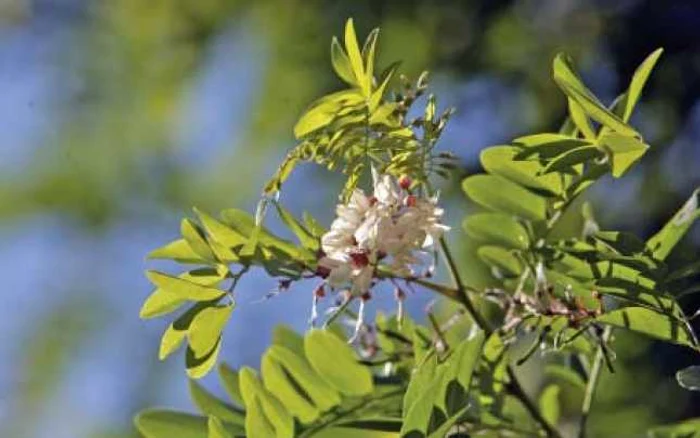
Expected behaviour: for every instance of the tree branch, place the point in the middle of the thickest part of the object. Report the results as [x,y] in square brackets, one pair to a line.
[593,383]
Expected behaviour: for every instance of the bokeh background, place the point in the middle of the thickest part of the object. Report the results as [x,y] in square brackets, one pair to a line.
[118,116]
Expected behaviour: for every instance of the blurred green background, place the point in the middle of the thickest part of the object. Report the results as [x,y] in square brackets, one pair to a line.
[118,116]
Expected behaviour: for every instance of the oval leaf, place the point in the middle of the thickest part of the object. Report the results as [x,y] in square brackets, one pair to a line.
[497,193]
[342,372]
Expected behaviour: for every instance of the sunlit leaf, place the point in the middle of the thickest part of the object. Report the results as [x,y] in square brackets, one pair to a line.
[549,404]
[578,116]
[220,232]
[685,429]
[198,367]
[638,80]
[184,289]
[566,161]
[194,236]
[666,239]
[229,378]
[499,194]
[341,63]
[651,323]
[624,151]
[306,238]
[570,83]
[206,327]
[343,372]
[161,423]
[257,425]
[355,56]
[298,368]
[178,250]
[500,258]
[500,160]
[216,429]
[208,404]
[255,395]
[497,228]
[288,391]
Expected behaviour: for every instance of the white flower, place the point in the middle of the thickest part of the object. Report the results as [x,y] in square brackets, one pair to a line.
[393,227]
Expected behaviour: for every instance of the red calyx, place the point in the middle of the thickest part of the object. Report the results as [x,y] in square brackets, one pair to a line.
[359,258]
[411,201]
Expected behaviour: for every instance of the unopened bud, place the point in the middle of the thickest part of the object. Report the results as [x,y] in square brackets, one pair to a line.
[405,182]
[320,291]
[411,201]
[366,296]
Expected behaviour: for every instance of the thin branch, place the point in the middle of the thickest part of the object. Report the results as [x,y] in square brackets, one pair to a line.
[514,386]
[593,382]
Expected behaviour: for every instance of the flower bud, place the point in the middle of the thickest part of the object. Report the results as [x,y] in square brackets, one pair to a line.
[405,182]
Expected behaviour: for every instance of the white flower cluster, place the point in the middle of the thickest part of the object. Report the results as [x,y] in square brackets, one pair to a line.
[393,227]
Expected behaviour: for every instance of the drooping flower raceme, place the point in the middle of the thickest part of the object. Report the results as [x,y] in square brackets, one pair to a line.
[393,227]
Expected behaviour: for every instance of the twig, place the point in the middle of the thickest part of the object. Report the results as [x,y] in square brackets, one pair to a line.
[514,386]
[593,382]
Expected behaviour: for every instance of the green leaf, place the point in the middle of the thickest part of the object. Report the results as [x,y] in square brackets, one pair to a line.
[624,151]
[325,110]
[206,327]
[312,225]
[442,393]
[343,372]
[220,232]
[351,432]
[209,405]
[179,251]
[547,145]
[638,80]
[257,425]
[306,238]
[184,289]
[229,378]
[685,429]
[456,380]
[565,374]
[194,236]
[571,84]
[355,56]
[288,391]
[161,301]
[368,52]
[161,423]
[216,429]
[255,394]
[497,193]
[566,161]
[666,239]
[288,338]
[549,404]
[177,330]
[578,116]
[444,429]
[244,223]
[689,378]
[198,367]
[419,383]
[651,323]
[500,160]
[500,258]
[341,63]
[497,228]
[299,370]
[170,341]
